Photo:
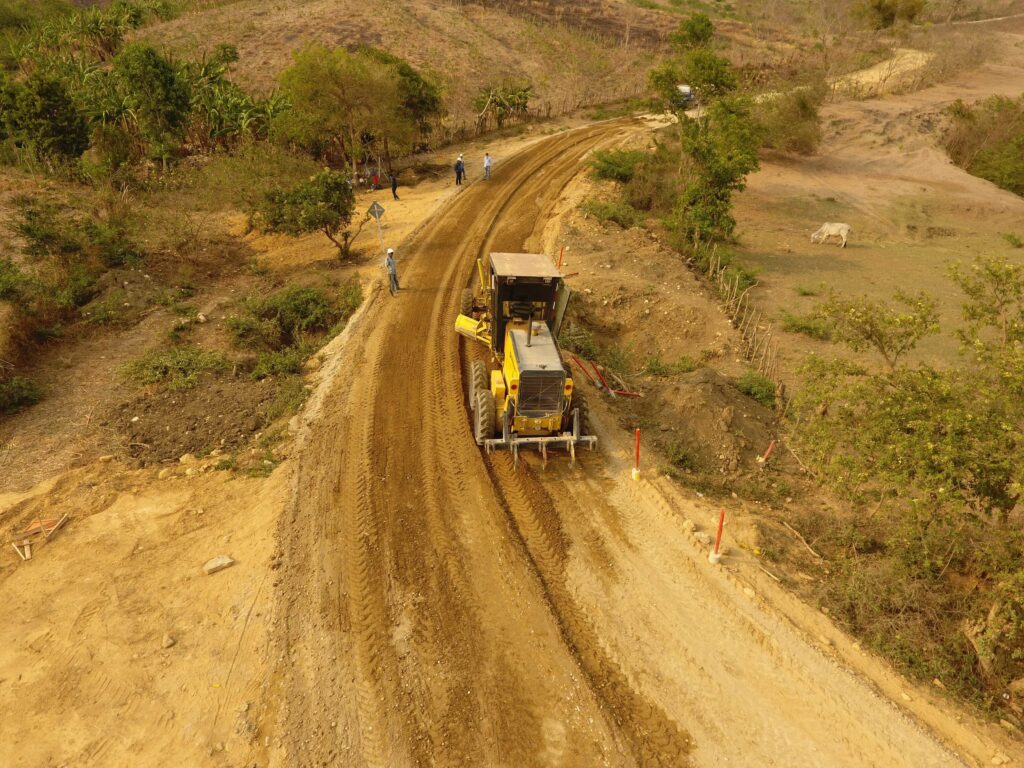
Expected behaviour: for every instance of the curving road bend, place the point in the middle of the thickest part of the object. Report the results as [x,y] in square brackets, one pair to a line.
[437,608]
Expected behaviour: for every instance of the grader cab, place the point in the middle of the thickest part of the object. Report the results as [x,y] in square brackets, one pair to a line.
[525,396]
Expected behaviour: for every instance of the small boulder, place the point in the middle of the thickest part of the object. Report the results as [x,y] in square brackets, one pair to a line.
[218,563]
[168,641]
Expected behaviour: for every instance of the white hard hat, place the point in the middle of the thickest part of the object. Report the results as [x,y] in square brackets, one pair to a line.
[391,250]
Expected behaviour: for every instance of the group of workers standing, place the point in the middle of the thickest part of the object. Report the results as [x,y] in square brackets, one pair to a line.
[460,174]
[460,169]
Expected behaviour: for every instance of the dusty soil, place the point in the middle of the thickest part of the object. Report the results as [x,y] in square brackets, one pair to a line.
[881,170]
[439,607]
[223,415]
[467,45]
[117,649]
[399,598]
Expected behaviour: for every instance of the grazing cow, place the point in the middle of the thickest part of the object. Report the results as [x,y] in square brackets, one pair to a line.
[828,229]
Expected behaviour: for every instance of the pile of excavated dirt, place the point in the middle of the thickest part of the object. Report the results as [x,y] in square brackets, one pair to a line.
[220,413]
[703,417]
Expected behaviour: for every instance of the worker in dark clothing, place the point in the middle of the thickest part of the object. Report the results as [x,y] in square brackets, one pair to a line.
[460,170]
[394,185]
[389,265]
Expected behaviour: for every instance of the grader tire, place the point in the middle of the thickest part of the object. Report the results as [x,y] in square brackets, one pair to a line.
[477,382]
[483,417]
[466,304]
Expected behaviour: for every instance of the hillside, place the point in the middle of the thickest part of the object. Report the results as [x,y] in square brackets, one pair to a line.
[603,55]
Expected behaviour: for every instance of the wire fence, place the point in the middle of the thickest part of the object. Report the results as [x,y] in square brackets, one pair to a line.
[757,343]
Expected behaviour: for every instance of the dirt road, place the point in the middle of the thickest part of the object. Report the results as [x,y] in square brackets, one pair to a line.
[437,608]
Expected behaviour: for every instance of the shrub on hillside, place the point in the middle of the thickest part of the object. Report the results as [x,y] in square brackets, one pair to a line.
[178,368]
[760,388]
[324,203]
[40,117]
[612,210]
[935,452]
[18,393]
[987,139]
[616,164]
[790,121]
[882,14]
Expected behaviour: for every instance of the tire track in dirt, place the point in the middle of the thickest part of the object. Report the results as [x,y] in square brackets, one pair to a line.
[434,646]
[654,738]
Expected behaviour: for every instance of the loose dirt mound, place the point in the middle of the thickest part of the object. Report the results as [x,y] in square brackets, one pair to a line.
[710,423]
[221,413]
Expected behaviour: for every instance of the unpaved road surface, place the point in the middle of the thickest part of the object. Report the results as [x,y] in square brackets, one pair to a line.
[438,608]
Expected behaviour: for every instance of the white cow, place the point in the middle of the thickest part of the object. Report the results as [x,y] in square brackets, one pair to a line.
[829,229]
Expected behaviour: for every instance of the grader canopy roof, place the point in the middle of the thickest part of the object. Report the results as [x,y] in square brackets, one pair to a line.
[526,265]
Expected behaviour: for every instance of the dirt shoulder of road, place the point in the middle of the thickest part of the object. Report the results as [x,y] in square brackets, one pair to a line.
[84,656]
[701,444]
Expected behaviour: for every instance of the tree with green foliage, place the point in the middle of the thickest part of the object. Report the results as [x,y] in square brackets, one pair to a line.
[723,149]
[882,14]
[503,101]
[420,96]
[40,116]
[892,332]
[938,454]
[151,96]
[709,74]
[994,289]
[695,31]
[337,100]
[324,203]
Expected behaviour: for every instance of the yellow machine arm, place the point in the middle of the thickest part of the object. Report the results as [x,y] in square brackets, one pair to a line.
[479,330]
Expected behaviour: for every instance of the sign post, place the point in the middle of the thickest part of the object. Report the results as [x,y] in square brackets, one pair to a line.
[377,210]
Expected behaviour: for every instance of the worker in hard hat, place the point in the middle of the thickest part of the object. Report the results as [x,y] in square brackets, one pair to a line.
[389,265]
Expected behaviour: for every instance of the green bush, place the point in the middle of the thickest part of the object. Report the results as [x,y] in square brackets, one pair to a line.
[655,366]
[40,116]
[790,121]
[177,367]
[298,312]
[324,203]
[881,14]
[812,325]
[655,183]
[760,388]
[614,211]
[254,332]
[616,164]
[18,393]
[350,298]
[281,363]
[987,140]
[577,338]
[1014,240]
[13,281]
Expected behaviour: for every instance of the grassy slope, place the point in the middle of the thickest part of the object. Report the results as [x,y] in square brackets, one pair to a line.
[466,46]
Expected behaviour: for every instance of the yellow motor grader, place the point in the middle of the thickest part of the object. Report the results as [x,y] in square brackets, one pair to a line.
[526,395]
